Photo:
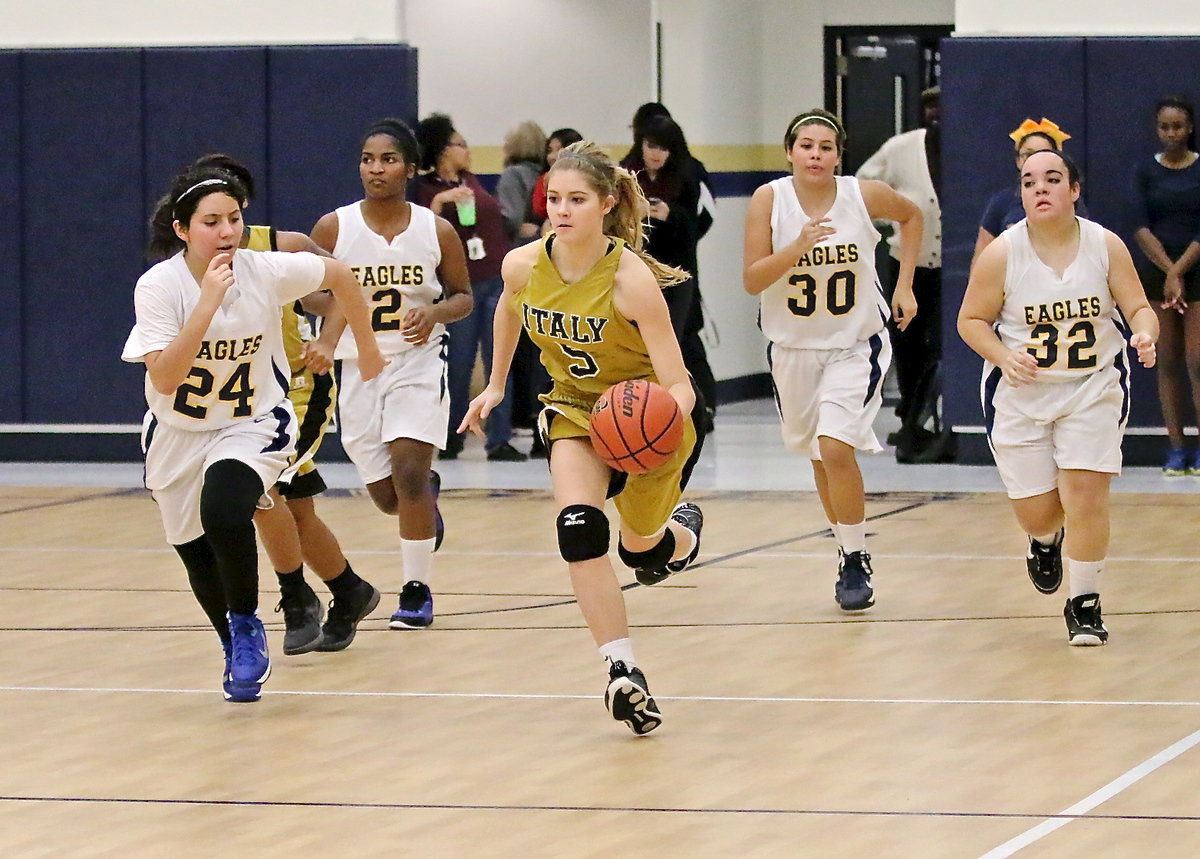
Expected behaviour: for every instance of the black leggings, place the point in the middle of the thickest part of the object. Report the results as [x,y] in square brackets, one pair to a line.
[222,565]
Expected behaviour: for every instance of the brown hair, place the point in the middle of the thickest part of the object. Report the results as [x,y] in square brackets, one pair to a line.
[816,116]
[625,221]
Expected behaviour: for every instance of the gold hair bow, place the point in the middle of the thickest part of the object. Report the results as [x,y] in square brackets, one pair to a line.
[1046,127]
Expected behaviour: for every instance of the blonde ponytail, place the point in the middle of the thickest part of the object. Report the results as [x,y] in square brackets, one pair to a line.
[626,221]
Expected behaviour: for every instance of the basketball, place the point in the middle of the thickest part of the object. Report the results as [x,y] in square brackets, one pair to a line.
[636,426]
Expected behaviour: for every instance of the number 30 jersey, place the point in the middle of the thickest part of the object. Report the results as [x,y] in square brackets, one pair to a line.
[395,276]
[240,371]
[1070,324]
[831,297]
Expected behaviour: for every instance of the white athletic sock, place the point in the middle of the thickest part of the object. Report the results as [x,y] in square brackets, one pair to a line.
[417,558]
[853,538]
[1085,576]
[1049,539]
[618,650]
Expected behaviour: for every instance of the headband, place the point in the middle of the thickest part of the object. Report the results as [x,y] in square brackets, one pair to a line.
[201,185]
[814,117]
[1046,127]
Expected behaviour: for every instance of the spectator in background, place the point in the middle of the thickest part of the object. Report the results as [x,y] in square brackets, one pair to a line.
[555,143]
[524,162]
[911,164]
[450,189]
[1166,196]
[670,179]
[1004,208]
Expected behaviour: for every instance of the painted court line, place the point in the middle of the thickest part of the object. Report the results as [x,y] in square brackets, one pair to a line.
[1114,787]
[747,699]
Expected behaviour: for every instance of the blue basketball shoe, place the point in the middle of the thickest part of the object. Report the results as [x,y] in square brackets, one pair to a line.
[416,607]
[249,664]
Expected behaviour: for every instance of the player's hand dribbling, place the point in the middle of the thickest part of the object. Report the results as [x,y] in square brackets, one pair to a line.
[1146,352]
[218,277]
[1019,367]
[479,409]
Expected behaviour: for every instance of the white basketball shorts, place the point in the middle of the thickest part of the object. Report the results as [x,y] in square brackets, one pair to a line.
[830,392]
[409,399]
[177,459]
[1039,429]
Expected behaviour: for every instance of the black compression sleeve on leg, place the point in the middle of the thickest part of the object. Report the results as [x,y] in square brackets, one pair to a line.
[201,566]
[227,503]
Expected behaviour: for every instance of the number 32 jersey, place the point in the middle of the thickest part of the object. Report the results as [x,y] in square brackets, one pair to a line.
[240,371]
[831,297]
[1070,324]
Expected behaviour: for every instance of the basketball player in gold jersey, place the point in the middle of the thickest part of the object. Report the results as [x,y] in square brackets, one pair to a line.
[291,531]
[592,303]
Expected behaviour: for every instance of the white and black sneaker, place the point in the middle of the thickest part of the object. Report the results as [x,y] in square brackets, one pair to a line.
[628,699]
[1044,563]
[1085,627]
[853,590]
[689,516]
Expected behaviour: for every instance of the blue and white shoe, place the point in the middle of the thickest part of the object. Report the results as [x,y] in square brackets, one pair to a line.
[226,685]
[416,607]
[249,664]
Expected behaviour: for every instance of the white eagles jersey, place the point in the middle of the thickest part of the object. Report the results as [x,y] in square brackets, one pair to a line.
[395,276]
[241,370]
[1070,324]
[831,297]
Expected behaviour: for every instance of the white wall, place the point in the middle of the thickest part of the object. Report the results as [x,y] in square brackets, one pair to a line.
[1076,17]
[123,23]
[490,65]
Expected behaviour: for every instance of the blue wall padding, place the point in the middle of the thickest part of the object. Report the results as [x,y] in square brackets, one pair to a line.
[321,101]
[89,139]
[10,240]
[81,203]
[201,100]
[989,85]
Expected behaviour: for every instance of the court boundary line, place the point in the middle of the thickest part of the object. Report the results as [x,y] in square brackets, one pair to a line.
[547,696]
[430,806]
[1054,822]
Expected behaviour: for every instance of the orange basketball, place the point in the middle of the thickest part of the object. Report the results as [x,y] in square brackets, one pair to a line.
[636,426]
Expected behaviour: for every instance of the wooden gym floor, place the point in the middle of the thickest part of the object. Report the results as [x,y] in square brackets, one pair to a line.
[952,720]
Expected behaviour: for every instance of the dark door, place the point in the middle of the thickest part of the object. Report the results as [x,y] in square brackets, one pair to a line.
[873,80]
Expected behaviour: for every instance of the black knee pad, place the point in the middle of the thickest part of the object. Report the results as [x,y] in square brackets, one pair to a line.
[582,533]
[651,559]
[229,496]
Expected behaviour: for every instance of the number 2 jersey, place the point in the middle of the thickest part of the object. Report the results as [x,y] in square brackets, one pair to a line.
[240,370]
[395,276]
[831,297]
[1071,324]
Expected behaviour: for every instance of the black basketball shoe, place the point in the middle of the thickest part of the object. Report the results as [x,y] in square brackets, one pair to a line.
[1044,563]
[1085,627]
[853,590]
[302,615]
[628,699]
[344,616]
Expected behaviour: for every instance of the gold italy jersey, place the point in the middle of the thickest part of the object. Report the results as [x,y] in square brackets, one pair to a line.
[587,346]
